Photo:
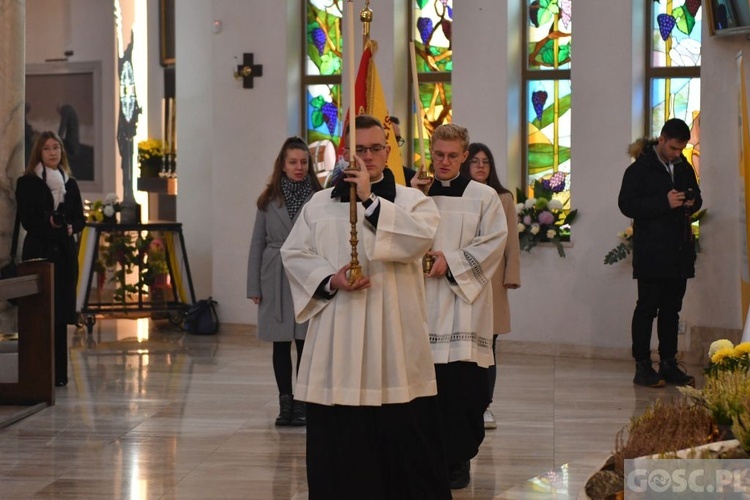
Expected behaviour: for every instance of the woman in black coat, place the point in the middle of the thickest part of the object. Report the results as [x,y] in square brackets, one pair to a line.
[51,212]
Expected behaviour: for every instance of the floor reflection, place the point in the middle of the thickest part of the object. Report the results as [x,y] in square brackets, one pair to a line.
[152,412]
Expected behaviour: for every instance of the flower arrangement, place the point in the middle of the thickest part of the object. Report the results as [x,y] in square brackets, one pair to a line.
[150,150]
[543,218]
[725,356]
[625,247]
[105,210]
[156,263]
[151,157]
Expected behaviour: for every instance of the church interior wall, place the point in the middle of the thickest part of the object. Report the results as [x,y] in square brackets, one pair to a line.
[229,136]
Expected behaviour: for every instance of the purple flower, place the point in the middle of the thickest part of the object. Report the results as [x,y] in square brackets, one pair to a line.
[546,218]
[527,220]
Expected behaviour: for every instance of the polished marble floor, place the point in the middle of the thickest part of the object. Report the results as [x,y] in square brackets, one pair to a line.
[152,413]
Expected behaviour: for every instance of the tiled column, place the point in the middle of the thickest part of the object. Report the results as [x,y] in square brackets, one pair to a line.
[12,76]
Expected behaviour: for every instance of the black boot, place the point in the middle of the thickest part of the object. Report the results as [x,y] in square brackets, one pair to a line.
[299,416]
[675,374]
[285,410]
[646,376]
[459,476]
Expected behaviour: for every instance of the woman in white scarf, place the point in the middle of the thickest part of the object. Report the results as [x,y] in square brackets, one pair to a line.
[51,212]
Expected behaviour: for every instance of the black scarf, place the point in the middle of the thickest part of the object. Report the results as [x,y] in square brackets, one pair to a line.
[384,188]
[295,193]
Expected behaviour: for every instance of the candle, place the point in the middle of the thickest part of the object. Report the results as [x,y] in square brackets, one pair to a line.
[173,137]
[165,124]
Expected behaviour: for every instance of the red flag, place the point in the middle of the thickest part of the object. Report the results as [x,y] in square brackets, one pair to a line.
[369,99]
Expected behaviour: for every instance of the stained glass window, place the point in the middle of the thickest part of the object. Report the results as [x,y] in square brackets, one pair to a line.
[673,72]
[547,88]
[432,24]
[549,34]
[322,70]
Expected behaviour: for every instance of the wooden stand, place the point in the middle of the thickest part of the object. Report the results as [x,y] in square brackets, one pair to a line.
[34,288]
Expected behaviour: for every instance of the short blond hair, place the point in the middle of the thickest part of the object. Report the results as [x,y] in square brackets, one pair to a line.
[451,132]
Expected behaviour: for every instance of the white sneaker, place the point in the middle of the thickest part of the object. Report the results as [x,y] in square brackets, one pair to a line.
[489,420]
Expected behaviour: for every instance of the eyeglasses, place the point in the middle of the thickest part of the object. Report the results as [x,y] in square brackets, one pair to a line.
[476,162]
[400,140]
[375,149]
[440,156]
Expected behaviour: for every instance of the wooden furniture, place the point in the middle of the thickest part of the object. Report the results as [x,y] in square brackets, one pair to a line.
[162,197]
[34,289]
[99,241]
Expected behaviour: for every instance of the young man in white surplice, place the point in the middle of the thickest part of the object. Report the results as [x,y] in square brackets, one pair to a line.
[367,373]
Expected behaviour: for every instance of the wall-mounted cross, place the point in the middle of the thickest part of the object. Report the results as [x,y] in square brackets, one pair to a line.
[247,70]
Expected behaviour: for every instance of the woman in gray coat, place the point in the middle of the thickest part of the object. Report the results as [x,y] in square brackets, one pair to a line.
[292,184]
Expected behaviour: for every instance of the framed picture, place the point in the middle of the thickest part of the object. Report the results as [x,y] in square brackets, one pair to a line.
[166,32]
[66,98]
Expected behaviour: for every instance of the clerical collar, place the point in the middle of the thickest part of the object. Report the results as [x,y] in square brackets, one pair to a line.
[452,187]
[385,187]
[448,182]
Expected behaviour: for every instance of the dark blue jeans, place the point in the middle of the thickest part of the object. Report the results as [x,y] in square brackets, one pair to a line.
[659,298]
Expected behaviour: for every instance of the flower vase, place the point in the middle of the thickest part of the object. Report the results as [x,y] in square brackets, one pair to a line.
[161,280]
[151,168]
[160,292]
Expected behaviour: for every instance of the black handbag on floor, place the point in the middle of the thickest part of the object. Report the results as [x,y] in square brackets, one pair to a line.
[201,318]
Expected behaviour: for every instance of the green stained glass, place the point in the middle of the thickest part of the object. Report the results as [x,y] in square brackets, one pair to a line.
[436,100]
[323,113]
[678,98]
[432,34]
[324,37]
[548,121]
[549,32]
[676,33]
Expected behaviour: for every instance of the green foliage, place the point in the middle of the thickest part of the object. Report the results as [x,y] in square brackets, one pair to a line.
[741,427]
[129,253]
[726,393]
[617,254]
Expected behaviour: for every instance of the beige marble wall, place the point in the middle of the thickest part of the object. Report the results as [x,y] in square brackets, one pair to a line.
[12,26]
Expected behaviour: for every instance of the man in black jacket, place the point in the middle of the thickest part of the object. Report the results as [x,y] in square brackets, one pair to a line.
[660,193]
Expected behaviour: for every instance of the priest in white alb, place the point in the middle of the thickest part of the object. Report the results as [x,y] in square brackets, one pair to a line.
[367,372]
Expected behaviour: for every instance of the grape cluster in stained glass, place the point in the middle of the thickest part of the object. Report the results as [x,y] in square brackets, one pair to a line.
[324,59]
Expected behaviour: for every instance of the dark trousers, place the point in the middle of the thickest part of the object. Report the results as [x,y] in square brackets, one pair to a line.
[492,371]
[462,396]
[282,364]
[657,298]
[61,353]
[393,451]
